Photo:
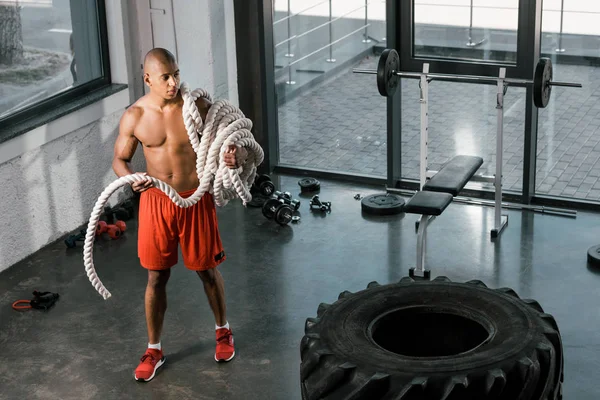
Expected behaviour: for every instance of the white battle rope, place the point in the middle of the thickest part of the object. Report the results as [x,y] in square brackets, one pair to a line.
[225,125]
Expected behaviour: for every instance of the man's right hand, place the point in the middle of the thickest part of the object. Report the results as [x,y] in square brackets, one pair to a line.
[143,185]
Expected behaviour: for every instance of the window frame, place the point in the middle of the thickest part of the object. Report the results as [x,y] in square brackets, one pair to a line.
[72,95]
[527,44]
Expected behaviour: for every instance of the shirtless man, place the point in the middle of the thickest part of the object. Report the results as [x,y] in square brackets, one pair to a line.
[156,121]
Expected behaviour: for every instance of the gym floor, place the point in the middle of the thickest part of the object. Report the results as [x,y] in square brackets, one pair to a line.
[87,348]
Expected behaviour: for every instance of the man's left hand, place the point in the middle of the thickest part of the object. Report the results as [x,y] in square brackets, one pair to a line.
[229,156]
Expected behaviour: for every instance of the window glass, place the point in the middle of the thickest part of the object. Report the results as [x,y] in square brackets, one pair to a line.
[46,48]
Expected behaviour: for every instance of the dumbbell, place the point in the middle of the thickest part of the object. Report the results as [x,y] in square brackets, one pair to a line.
[264,185]
[277,209]
[72,240]
[317,204]
[287,198]
[123,213]
[114,230]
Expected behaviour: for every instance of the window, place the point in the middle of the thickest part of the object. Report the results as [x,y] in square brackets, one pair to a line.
[51,52]
[466,29]
[335,116]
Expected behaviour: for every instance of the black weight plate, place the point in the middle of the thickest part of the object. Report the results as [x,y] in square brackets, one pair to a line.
[382,204]
[260,179]
[258,200]
[267,188]
[269,208]
[593,255]
[387,80]
[284,214]
[309,185]
[541,88]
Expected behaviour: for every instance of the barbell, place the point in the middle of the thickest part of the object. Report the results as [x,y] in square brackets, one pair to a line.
[388,75]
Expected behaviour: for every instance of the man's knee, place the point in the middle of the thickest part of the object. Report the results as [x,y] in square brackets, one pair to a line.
[209,276]
[158,279]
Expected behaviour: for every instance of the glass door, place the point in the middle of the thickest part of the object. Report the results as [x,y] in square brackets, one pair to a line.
[330,119]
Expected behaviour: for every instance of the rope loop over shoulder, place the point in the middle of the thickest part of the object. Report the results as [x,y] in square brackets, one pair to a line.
[225,125]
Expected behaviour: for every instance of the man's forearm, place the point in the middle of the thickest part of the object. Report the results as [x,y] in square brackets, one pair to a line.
[121,167]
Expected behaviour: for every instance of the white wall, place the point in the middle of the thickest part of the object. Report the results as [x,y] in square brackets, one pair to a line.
[206,46]
[52,176]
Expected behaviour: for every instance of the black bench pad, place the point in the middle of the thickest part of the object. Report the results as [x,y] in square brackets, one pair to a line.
[453,176]
[428,203]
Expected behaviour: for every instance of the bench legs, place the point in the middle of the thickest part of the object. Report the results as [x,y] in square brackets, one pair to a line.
[500,221]
[420,270]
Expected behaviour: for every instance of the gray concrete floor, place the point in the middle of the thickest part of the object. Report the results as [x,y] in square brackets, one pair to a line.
[340,125]
[87,348]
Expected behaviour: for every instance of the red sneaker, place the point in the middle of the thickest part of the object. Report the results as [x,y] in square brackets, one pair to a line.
[151,361]
[225,351]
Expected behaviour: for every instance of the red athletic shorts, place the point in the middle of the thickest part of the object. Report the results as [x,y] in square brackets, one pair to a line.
[163,225]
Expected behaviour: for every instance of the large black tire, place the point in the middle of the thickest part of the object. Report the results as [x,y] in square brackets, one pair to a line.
[431,340]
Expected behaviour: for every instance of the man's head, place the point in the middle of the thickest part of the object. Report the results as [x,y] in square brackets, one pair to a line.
[161,73]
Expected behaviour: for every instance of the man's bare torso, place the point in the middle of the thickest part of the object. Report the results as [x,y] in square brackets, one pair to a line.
[167,148]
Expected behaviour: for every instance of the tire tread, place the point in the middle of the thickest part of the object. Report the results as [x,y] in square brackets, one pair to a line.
[325,375]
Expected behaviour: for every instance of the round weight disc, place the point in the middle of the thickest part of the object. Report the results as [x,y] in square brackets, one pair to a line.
[387,80]
[267,188]
[283,216]
[261,178]
[269,208]
[593,255]
[382,204]
[309,185]
[541,87]
[258,200]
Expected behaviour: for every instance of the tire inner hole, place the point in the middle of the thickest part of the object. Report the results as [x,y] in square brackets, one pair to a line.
[426,332]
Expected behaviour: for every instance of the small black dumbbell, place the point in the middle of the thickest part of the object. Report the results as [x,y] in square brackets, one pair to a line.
[72,240]
[277,209]
[263,185]
[128,206]
[317,204]
[287,198]
[119,213]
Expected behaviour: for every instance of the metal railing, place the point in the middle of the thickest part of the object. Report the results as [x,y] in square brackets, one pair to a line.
[560,49]
[329,23]
[290,82]
[299,12]
[471,43]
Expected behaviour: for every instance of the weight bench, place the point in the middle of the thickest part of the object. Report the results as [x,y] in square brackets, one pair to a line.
[435,196]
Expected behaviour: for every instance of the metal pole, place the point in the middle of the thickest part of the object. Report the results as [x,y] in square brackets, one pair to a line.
[289,52]
[290,81]
[499,223]
[366,39]
[487,203]
[470,43]
[383,39]
[330,59]
[474,78]
[424,100]
[560,49]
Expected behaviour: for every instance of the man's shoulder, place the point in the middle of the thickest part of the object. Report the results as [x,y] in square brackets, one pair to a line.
[131,117]
[135,111]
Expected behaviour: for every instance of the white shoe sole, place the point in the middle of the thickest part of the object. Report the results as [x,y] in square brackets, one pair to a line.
[156,367]
[229,359]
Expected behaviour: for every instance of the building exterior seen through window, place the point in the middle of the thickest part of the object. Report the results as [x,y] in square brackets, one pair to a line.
[47,47]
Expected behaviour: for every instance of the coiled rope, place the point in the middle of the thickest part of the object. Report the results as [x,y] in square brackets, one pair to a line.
[225,125]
